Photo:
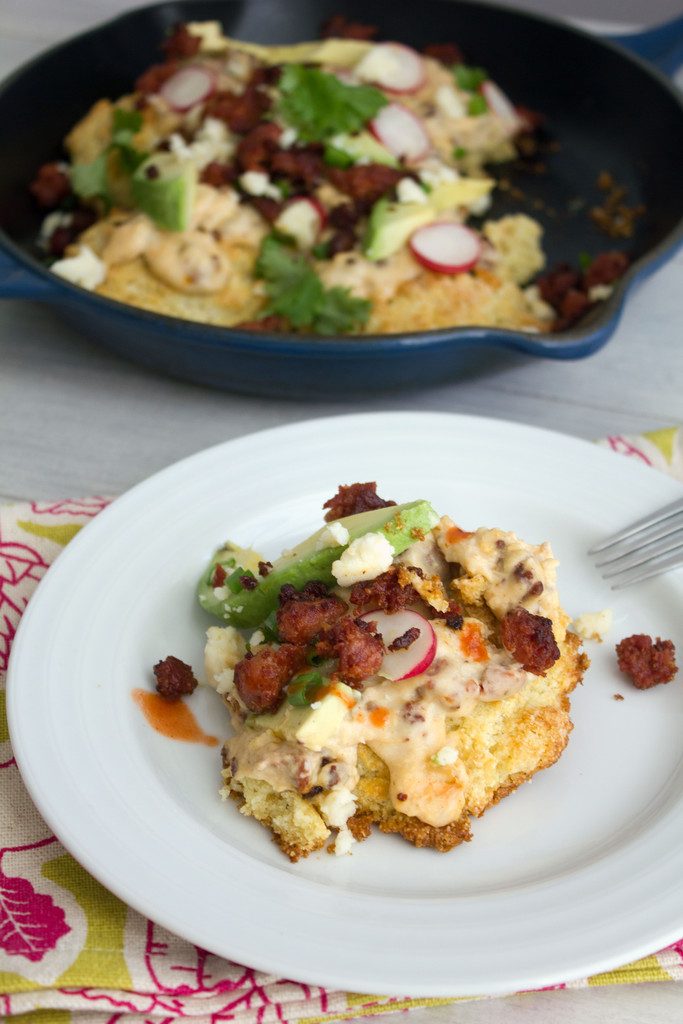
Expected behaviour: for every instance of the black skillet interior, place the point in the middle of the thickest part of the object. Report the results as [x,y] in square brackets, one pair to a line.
[605,111]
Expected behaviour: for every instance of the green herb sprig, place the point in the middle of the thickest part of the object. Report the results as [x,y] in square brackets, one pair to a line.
[469,78]
[318,105]
[302,689]
[90,180]
[296,292]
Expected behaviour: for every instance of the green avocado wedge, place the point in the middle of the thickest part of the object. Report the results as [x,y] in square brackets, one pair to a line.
[391,225]
[247,608]
[164,187]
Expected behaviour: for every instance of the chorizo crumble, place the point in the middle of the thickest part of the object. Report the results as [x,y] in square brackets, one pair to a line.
[646,662]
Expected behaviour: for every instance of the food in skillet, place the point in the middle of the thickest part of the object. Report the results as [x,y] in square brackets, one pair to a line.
[392,670]
[327,187]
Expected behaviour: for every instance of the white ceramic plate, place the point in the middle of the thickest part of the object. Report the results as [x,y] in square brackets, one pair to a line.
[578,872]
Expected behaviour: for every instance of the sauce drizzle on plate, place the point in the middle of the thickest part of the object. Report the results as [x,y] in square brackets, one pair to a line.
[171,718]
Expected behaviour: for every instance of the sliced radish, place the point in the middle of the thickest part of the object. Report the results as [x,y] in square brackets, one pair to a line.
[303,218]
[412,660]
[446,246]
[401,132]
[498,102]
[393,67]
[188,87]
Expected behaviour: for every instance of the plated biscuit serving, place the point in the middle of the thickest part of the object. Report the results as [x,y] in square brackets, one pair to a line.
[391,670]
[329,187]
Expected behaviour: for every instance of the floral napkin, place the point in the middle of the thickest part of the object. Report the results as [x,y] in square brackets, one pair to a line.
[71,951]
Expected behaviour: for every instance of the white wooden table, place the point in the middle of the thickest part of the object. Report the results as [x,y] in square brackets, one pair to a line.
[75,420]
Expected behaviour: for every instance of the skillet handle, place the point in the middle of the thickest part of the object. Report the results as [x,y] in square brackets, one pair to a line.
[661,45]
[16,282]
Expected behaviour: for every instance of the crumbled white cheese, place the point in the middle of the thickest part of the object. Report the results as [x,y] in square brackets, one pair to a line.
[54,220]
[212,141]
[287,138]
[434,172]
[301,221]
[480,205]
[332,536]
[221,593]
[343,842]
[408,191]
[380,63]
[225,680]
[536,304]
[364,559]
[594,625]
[600,291]
[257,183]
[256,638]
[337,806]
[445,756]
[85,268]
[449,102]
[224,648]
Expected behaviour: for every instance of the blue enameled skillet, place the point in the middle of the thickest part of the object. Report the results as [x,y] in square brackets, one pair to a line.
[608,110]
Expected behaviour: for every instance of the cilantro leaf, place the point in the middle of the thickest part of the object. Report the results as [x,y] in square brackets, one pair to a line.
[477,105]
[585,260]
[296,292]
[318,105]
[341,311]
[126,121]
[294,289]
[469,78]
[90,180]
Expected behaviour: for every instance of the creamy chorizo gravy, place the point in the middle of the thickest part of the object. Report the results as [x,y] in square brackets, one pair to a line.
[411,724]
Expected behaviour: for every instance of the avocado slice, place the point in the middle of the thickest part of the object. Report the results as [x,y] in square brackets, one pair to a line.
[343,53]
[164,188]
[312,726]
[364,146]
[450,194]
[391,225]
[248,608]
[230,557]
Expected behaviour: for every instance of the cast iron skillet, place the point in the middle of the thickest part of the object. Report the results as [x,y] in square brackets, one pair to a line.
[608,110]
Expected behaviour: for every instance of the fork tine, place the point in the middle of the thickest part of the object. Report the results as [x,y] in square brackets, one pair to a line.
[651,544]
[630,576]
[641,524]
[642,556]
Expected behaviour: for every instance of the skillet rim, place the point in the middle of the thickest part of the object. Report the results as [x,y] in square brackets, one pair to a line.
[575,341]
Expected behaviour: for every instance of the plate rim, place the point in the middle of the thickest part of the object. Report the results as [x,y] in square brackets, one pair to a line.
[193,933]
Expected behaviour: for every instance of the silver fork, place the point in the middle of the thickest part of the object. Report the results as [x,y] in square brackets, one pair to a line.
[649,547]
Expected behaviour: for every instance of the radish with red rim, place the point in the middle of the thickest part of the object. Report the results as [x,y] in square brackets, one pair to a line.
[188,87]
[394,67]
[498,102]
[446,247]
[409,661]
[401,132]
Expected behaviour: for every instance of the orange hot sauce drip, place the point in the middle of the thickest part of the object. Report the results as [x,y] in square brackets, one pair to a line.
[172,718]
[379,716]
[454,534]
[472,644]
